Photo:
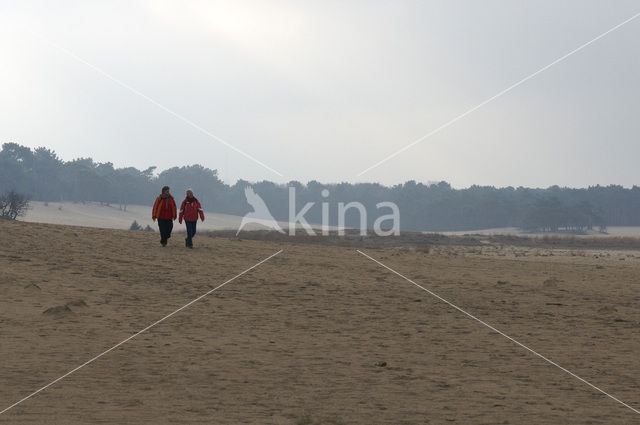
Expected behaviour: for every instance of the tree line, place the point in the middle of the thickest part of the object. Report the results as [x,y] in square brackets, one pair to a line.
[41,175]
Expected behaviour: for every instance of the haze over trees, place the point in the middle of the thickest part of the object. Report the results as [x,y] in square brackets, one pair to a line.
[41,175]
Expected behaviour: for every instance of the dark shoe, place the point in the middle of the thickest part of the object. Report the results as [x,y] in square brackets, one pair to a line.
[163,244]
[190,246]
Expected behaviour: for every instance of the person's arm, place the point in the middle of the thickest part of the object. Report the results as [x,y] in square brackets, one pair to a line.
[181,212]
[153,212]
[173,208]
[200,211]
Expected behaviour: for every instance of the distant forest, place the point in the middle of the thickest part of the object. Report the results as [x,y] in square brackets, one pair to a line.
[42,176]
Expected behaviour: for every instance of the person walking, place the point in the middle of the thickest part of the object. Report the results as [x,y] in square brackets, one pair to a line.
[164,210]
[190,210]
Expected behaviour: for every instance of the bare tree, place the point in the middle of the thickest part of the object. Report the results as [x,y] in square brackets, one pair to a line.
[13,205]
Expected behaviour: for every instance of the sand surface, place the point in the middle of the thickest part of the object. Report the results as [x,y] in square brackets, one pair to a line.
[300,339]
[92,214]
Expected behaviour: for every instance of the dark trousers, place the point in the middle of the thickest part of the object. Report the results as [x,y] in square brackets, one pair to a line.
[165,226]
[191,231]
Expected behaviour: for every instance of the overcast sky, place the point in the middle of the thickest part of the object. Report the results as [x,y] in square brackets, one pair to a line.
[323,90]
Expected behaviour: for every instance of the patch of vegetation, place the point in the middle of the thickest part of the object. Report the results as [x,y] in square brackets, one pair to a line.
[135,226]
[13,205]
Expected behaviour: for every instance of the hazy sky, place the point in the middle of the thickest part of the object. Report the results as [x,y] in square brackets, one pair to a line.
[322,90]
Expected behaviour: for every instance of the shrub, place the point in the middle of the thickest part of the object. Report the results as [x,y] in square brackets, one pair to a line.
[13,205]
[135,226]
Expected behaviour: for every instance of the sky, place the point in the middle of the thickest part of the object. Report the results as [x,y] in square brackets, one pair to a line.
[324,90]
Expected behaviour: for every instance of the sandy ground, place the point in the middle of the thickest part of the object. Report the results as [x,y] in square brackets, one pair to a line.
[301,338]
[92,214]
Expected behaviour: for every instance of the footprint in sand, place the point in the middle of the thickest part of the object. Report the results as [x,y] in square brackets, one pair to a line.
[77,303]
[58,311]
[551,283]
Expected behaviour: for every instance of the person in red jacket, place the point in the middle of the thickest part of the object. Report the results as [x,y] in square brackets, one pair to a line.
[190,210]
[164,209]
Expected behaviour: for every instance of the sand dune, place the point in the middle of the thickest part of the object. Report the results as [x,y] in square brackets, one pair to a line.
[93,214]
[317,335]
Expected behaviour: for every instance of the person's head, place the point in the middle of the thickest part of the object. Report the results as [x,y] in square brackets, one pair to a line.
[165,191]
[189,193]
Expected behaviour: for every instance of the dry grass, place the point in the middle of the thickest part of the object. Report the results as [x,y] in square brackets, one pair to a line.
[568,241]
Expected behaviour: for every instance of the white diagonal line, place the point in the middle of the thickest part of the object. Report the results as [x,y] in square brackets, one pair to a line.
[499,332]
[139,332]
[153,101]
[492,98]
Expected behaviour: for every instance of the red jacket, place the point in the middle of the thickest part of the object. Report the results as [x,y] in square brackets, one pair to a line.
[190,209]
[164,208]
